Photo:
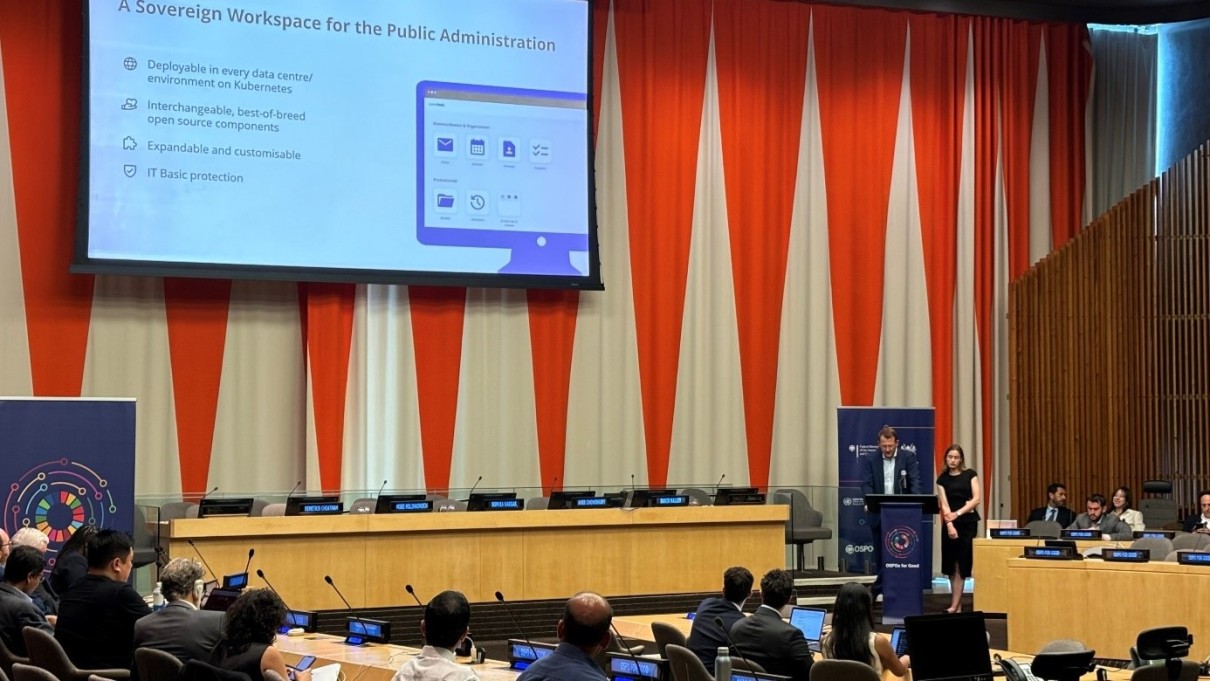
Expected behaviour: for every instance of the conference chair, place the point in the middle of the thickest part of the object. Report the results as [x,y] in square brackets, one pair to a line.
[686,666]
[192,511]
[363,505]
[843,670]
[537,503]
[3,676]
[435,496]
[8,658]
[804,526]
[196,670]
[94,677]
[28,672]
[1191,541]
[146,548]
[258,508]
[1159,672]
[1158,512]
[45,652]
[1063,645]
[1046,529]
[1158,546]
[157,665]
[698,497]
[666,634]
[176,509]
[273,510]
[740,664]
[271,675]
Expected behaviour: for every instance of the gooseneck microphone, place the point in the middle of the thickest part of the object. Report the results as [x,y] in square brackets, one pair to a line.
[203,558]
[356,617]
[251,552]
[532,650]
[212,491]
[477,481]
[903,486]
[294,489]
[410,590]
[719,483]
[624,647]
[384,486]
[261,573]
[719,622]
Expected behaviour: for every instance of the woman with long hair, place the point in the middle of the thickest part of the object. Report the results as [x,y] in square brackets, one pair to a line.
[853,637]
[1125,511]
[958,495]
[71,561]
[248,632]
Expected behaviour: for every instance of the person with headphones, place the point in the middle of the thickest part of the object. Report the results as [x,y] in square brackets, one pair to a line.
[180,628]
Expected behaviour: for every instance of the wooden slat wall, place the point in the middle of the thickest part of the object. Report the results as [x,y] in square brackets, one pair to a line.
[1109,350]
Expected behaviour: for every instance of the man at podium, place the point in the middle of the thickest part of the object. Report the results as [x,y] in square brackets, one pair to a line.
[894,471]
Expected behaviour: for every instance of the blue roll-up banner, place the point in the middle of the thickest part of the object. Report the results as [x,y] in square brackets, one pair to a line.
[904,561]
[66,463]
[858,436]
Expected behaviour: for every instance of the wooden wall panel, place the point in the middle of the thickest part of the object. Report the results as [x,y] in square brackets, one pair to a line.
[1109,350]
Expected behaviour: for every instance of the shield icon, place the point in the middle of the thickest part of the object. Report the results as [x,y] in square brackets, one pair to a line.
[129,170]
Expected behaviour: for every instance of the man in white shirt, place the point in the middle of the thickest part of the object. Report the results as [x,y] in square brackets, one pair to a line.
[446,622]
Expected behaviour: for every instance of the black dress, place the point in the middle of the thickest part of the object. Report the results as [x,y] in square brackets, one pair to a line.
[957,493]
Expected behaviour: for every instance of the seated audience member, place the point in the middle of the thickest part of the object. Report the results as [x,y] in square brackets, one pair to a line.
[1110,525]
[248,633]
[705,637]
[43,597]
[1122,507]
[766,639]
[22,574]
[853,636]
[583,634]
[5,547]
[1055,510]
[71,563]
[180,628]
[1199,522]
[446,622]
[97,615]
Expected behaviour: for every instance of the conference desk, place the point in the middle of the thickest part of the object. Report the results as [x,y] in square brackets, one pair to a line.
[528,555]
[993,590]
[372,662]
[1105,605]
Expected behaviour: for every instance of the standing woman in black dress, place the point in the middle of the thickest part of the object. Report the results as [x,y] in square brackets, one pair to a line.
[958,496]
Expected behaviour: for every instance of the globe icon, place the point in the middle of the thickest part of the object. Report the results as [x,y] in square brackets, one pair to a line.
[130,63]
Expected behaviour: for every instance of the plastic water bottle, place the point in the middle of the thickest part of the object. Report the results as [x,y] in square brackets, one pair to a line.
[722,665]
[157,596]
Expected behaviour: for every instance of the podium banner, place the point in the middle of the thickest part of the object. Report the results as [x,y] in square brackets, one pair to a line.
[858,436]
[903,561]
[67,463]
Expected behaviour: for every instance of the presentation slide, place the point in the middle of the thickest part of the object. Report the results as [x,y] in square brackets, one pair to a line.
[428,136]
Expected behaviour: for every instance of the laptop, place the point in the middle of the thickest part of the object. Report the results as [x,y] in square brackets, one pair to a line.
[220,599]
[949,647]
[899,641]
[810,622]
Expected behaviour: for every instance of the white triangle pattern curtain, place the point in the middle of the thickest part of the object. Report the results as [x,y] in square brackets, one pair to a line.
[801,206]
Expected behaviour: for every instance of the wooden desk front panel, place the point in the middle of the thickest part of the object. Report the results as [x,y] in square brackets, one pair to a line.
[1105,605]
[993,590]
[525,554]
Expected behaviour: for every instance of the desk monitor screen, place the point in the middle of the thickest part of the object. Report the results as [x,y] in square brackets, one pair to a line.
[663,501]
[503,505]
[598,502]
[521,654]
[386,502]
[220,599]
[1010,533]
[236,582]
[313,505]
[479,500]
[626,668]
[1050,553]
[299,619]
[565,498]
[1193,558]
[642,497]
[216,508]
[745,675]
[1126,555]
[417,506]
[899,641]
[734,496]
[949,646]
[809,621]
[1154,534]
[375,631]
[1080,534]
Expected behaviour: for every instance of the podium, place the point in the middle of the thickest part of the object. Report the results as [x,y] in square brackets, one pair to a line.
[903,559]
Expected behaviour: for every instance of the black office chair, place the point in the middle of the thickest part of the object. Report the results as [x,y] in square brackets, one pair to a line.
[1166,644]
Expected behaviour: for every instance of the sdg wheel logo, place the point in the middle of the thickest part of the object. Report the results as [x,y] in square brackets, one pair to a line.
[900,541]
[57,498]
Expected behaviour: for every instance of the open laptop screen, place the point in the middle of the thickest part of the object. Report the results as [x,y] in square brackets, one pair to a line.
[809,621]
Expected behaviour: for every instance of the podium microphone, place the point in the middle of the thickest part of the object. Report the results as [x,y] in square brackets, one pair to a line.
[203,558]
[532,650]
[903,486]
[356,617]
[410,590]
[293,489]
[719,622]
[251,552]
[384,486]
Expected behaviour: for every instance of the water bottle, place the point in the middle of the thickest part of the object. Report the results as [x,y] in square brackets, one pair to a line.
[722,665]
[157,596]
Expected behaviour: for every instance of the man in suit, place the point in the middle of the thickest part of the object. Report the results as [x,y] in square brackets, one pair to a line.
[180,629]
[1111,526]
[44,597]
[97,616]
[5,547]
[766,639]
[1200,522]
[1055,510]
[22,574]
[705,636]
[895,471]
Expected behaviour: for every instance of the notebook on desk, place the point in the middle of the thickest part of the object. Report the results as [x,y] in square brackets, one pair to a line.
[810,622]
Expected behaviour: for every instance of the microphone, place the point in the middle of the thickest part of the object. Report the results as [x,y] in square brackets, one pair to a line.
[356,617]
[212,491]
[261,573]
[903,481]
[632,482]
[203,559]
[719,483]
[409,589]
[623,646]
[293,490]
[251,552]
[468,494]
[384,486]
[719,622]
[532,650]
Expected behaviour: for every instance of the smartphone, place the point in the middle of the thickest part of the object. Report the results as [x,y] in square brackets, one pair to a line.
[303,665]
